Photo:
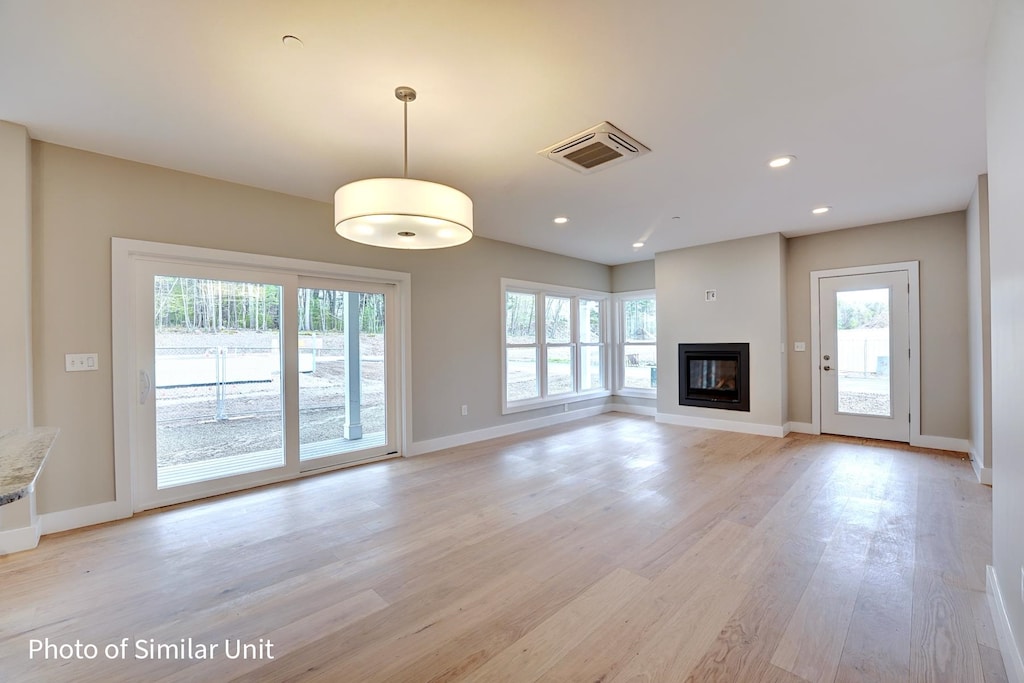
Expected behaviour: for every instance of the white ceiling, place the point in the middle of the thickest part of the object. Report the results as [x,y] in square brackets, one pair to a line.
[881,101]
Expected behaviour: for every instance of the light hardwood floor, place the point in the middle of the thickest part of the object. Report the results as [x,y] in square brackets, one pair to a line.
[610,549]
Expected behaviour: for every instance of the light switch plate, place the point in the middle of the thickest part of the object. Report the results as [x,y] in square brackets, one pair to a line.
[81,362]
[799,346]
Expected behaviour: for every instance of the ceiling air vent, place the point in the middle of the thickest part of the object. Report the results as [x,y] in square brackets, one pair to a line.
[595,149]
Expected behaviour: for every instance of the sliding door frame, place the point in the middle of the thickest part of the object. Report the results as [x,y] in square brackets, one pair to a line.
[126,254]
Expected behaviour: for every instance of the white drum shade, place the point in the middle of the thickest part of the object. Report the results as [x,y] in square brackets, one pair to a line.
[403,213]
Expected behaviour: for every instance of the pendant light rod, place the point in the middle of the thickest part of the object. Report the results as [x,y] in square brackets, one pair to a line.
[406,95]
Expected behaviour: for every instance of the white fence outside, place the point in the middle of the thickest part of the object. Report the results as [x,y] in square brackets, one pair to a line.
[863,351]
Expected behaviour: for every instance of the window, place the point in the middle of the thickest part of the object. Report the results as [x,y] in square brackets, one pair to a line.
[522,352]
[638,344]
[591,345]
[555,347]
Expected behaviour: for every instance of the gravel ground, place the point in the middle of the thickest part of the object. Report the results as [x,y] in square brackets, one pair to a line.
[187,426]
[864,404]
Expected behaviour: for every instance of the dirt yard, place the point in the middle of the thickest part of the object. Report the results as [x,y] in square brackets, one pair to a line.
[193,425]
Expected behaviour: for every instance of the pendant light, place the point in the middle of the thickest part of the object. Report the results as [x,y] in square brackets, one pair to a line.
[403,213]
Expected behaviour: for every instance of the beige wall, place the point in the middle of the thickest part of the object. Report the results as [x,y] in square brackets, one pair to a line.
[81,200]
[940,244]
[15,277]
[633,277]
[748,276]
[979,321]
[1005,112]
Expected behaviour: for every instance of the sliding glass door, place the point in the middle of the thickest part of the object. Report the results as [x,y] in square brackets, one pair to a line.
[217,385]
[247,377]
[344,378]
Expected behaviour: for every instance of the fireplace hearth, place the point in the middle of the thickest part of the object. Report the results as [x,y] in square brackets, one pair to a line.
[715,376]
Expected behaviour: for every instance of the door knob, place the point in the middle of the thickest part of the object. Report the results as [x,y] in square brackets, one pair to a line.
[828,357]
[827,368]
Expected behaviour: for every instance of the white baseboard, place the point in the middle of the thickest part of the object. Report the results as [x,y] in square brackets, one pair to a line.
[649,411]
[22,538]
[800,428]
[76,518]
[64,520]
[1008,645]
[941,443]
[463,438]
[721,425]
[983,473]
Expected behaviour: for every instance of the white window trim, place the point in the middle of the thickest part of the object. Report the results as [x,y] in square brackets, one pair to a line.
[575,293]
[620,344]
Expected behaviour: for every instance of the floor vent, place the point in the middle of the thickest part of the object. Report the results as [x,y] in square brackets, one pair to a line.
[595,149]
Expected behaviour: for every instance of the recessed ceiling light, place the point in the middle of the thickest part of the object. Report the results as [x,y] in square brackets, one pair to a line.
[637,245]
[291,41]
[779,162]
[561,219]
[820,210]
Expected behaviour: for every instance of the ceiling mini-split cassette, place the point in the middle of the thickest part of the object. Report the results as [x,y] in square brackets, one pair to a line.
[595,149]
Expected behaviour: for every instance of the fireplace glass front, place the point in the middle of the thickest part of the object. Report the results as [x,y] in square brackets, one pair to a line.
[714,376]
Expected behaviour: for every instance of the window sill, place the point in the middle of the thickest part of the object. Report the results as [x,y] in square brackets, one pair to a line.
[637,393]
[536,404]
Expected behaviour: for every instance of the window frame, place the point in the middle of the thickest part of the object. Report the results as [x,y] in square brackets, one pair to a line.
[621,345]
[540,291]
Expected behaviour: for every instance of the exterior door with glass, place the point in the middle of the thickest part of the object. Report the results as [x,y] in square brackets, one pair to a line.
[864,361]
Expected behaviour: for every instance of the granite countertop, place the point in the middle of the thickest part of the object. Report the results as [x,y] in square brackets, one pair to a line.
[22,454]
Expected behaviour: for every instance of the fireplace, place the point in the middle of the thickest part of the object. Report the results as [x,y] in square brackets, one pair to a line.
[715,376]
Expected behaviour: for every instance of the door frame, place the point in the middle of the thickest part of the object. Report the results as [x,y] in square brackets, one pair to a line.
[913,276]
[124,296]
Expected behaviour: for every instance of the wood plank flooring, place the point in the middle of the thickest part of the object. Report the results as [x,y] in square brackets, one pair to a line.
[611,549]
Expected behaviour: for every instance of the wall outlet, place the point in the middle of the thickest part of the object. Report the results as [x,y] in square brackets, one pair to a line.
[465,411]
[799,346]
[710,295]
[81,362]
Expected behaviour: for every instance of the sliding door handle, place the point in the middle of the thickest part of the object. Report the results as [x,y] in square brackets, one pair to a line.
[145,386]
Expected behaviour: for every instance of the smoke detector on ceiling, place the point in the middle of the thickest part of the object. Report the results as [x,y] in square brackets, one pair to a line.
[595,149]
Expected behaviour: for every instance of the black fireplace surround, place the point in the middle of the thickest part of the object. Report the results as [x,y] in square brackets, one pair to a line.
[715,376]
